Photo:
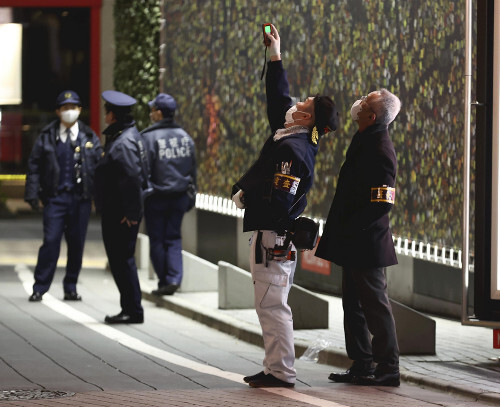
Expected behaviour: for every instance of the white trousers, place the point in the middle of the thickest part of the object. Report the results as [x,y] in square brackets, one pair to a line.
[272,284]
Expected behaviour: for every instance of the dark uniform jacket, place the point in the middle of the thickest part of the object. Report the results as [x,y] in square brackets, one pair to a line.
[171,157]
[275,185]
[42,178]
[119,173]
[357,232]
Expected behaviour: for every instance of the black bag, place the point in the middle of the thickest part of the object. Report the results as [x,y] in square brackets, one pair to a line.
[305,233]
[191,193]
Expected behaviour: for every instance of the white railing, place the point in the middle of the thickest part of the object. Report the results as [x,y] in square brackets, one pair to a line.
[412,248]
[218,204]
[429,252]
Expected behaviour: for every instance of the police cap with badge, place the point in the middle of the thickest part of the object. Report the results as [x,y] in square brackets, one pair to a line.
[326,117]
[164,103]
[68,96]
[119,103]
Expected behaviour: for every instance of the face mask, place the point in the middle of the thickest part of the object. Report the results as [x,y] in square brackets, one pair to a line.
[70,116]
[355,109]
[288,115]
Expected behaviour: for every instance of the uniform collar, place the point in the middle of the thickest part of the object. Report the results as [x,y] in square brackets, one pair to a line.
[368,135]
[116,128]
[167,123]
[62,132]
[374,128]
[281,133]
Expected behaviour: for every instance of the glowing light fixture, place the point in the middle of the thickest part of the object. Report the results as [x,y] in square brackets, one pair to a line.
[10,68]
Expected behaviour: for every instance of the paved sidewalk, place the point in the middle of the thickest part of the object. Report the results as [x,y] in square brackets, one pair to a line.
[465,362]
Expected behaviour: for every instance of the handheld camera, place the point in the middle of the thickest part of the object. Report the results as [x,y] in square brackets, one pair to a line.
[266,29]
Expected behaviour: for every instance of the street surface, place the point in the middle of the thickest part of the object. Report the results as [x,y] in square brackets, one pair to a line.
[169,360]
[58,348]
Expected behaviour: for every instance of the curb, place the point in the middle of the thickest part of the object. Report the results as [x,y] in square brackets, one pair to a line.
[444,386]
[248,333]
[241,330]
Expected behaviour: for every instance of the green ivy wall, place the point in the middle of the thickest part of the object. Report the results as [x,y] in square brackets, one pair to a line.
[136,71]
[342,48]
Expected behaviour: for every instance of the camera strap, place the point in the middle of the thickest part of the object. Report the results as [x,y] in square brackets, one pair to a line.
[264,67]
[258,249]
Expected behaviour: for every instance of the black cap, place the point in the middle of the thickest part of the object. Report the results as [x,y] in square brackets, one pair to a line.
[68,96]
[116,98]
[326,114]
[165,103]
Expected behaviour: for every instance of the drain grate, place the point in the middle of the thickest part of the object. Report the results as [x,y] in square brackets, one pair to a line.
[9,395]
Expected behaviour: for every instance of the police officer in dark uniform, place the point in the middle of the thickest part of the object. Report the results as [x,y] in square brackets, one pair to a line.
[119,179]
[273,193]
[358,238]
[172,166]
[61,174]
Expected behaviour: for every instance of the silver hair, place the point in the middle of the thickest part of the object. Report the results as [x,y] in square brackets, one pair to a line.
[386,106]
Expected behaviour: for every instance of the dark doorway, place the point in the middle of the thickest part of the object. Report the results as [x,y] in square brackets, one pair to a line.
[55,57]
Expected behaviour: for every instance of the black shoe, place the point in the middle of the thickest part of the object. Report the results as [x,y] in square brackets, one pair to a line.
[268,380]
[123,318]
[36,296]
[350,375]
[168,289]
[380,379]
[248,379]
[72,296]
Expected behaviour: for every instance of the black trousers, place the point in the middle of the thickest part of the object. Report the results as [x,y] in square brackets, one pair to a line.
[163,215]
[367,311]
[119,242]
[64,214]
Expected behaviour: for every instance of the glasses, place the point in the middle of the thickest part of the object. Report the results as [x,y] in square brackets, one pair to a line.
[364,102]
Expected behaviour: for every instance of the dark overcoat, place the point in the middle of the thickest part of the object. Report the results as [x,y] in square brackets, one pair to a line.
[357,232]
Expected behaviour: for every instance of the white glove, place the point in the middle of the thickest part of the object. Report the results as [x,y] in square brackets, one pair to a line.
[237,199]
[274,37]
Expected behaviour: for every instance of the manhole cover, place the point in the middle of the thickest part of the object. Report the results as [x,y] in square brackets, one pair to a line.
[33,394]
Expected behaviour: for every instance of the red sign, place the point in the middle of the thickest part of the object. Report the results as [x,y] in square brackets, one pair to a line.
[312,263]
[496,339]
[11,138]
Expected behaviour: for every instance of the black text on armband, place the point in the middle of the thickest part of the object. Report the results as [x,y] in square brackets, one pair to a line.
[286,183]
[383,194]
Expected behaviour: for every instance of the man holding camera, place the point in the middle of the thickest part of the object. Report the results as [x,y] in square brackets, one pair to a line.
[273,193]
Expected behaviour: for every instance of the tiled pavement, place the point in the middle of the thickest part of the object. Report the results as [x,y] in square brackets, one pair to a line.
[465,362]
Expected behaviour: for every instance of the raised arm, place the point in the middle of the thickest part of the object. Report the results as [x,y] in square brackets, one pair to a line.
[277,89]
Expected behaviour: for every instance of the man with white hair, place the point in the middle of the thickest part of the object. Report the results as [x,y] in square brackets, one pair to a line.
[358,238]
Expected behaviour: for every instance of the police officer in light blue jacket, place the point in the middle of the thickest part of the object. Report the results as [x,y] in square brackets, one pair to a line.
[172,165]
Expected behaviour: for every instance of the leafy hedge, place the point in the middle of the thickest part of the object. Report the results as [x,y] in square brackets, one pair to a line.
[342,48]
[136,71]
